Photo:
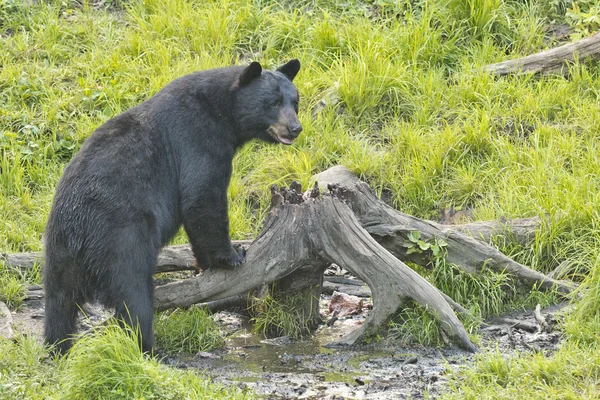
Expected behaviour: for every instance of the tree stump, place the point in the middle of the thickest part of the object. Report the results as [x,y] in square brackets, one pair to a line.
[313,230]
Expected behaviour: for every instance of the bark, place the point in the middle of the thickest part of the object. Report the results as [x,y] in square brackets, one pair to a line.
[308,282]
[549,61]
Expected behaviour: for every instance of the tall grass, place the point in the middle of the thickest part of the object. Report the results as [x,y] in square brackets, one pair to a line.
[103,364]
[109,364]
[279,314]
[187,331]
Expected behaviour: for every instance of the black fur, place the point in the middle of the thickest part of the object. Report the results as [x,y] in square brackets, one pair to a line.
[143,174]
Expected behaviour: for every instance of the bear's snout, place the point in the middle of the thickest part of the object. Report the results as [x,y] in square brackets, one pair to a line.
[295,129]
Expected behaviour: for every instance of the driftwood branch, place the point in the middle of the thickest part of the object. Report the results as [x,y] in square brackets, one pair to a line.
[551,60]
[391,228]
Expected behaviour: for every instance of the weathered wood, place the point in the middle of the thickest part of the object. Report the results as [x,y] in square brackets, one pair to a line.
[391,228]
[539,318]
[499,323]
[22,260]
[296,235]
[170,259]
[551,60]
[6,322]
[353,290]
[520,230]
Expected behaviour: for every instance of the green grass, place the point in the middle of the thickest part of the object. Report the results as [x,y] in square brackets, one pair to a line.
[26,372]
[278,314]
[14,282]
[187,331]
[407,108]
[109,364]
[572,372]
[485,295]
[416,325]
[104,364]
[12,288]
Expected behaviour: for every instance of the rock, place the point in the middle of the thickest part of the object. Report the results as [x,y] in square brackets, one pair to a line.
[6,322]
[285,358]
[411,360]
[278,341]
[345,304]
[206,354]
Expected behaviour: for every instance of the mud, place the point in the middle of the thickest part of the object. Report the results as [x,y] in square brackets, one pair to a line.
[285,369]
[309,370]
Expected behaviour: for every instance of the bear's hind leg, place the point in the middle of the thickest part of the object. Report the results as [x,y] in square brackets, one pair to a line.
[61,310]
[136,309]
[132,286]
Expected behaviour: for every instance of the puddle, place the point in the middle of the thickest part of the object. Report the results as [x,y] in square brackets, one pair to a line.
[283,369]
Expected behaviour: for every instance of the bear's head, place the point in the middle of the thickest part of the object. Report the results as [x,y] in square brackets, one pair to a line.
[266,105]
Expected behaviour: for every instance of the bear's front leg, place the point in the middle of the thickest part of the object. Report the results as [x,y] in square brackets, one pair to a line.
[207,225]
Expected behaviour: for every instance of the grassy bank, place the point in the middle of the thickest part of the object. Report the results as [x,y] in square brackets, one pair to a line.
[394,90]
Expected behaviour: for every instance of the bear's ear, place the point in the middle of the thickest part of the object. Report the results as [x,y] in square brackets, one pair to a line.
[250,73]
[290,69]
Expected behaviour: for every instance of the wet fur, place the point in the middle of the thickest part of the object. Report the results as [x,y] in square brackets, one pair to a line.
[143,174]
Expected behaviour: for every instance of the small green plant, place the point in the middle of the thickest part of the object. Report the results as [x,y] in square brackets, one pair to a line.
[584,17]
[416,245]
[12,286]
[416,325]
[187,331]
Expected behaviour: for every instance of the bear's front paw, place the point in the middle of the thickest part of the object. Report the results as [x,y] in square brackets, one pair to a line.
[237,256]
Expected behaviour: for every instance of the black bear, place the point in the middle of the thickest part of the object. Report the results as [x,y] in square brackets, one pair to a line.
[144,173]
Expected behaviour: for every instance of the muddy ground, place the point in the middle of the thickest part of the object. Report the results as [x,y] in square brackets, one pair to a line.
[283,369]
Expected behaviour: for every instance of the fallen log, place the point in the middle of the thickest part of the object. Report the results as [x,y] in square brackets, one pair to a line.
[391,228]
[551,60]
[171,258]
[519,230]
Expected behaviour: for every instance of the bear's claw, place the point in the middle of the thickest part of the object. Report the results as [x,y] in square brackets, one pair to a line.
[237,257]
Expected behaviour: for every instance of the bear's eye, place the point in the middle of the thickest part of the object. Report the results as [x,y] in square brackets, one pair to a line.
[275,103]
